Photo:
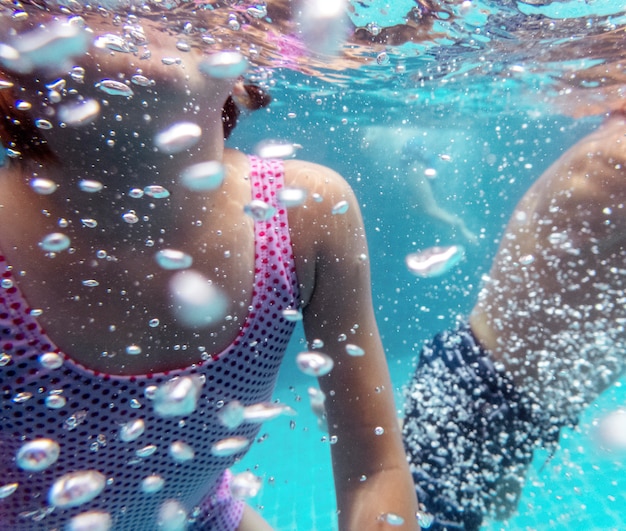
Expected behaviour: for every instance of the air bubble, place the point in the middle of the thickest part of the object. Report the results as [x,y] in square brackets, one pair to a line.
[434,261]
[340,208]
[378,430]
[89,223]
[203,176]
[424,520]
[178,137]
[245,485]
[157,191]
[264,411]
[152,484]
[55,242]
[130,217]
[90,186]
[229,446]
[79,113]
[37,455]
[232,414]
[354,350]
[271,149]
[132,430]
[5,359]
[55,401]
[146,451]
[153,323]
[114,88]
[45,125]
[292,314]
[172,259]
[90,283]
[314,363]
[140,80]
[259,210]
[392,519]
[90,521]
[8,489]
[133,350]
[181,452]
[76,488]
[178,396]
[6,283]
[197,302]
[224,65]
[172,516]
[292,197]
[43,186]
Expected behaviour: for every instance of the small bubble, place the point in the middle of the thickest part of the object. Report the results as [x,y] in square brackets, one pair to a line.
[157,191]
[434,261]
[172,516]
[291,314]
[8,489]
[354,350]
[424,520]
[91,521]
[135,193]
[153,323]
[172,259]
[146,451]
[55,401]
[152,484]
[5,359]
[90,186]
[178,396]
[43,124]
[114,88]
[259,210]
[314,363]
[178,137]
[132,430]
[317,344]
[181,451]
[37,455]
[382,58]
[203,176]
[135,404]
[76,488]
[43,186]
[379,430]
[224,65]
[55,242]
[141,81]
[6,283]
[89,223]
[130,217]
[133,350]
[392,519]
[272,149]
[90,283]
[20,398]
[232,414]
[292,197]
[229,446]
[245,485]
[340,208]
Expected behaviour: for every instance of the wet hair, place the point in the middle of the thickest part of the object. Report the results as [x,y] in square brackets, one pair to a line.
[257,98]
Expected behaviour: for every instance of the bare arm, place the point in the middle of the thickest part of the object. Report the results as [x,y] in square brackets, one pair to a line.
[371,473]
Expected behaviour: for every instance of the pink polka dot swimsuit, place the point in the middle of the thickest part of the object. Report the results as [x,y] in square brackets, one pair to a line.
[122,450]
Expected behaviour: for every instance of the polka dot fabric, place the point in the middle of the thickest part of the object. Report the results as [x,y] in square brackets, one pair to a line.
[53,398]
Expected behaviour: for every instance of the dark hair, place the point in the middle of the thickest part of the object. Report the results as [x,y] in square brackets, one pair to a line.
[256,99]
